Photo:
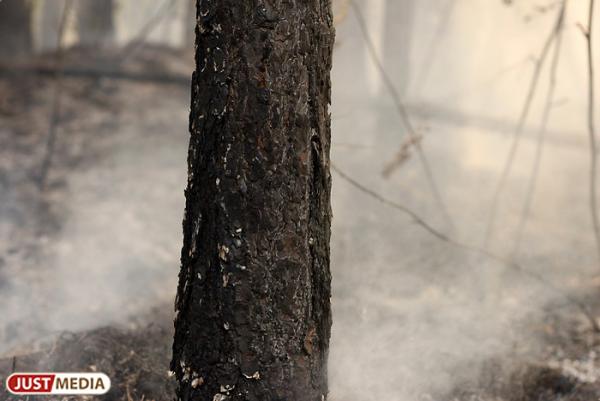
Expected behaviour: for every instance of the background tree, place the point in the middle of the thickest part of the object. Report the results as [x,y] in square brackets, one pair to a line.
[253,303]
[95,24]
[15,28]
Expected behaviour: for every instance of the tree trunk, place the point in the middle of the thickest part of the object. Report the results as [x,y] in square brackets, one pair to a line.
[50,18]
[253,303]
[15,29]
[95,24]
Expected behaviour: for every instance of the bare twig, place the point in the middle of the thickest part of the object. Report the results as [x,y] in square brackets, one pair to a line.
[541,135]
[521,124]
[55,114]
[592,129]
[402,155]
[401,109]
[418,219]
[508,263]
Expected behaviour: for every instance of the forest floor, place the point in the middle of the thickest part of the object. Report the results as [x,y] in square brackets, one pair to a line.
[137,362]
[134,348]
[96,121]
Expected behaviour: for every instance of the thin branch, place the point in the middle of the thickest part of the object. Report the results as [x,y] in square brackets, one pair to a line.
[521,124]
[592,129]
[511,264]
[418,219]
[401,109]
[541,136]
[56,100]
[401,156]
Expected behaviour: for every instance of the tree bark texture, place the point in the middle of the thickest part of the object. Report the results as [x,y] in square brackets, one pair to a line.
[15,29]
[253,303]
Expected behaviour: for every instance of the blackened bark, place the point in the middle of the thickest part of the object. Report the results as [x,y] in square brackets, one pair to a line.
[15,29]
[253,303]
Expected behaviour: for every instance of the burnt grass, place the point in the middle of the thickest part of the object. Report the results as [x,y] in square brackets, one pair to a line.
[137,357]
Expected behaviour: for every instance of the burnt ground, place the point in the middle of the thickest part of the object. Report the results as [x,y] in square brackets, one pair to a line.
[135,351]
[563,368]
[34,205]
[137,359]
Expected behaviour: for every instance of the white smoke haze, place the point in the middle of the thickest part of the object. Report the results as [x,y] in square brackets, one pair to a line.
[116,253]
[413,315]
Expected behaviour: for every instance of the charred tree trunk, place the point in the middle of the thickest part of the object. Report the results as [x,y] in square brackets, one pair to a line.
[15,28]
[253,303]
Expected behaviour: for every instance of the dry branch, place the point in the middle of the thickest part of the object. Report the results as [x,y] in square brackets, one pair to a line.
[521,124]
[508,263]
[541,135]
[592,129]
[401,109]
[401,156]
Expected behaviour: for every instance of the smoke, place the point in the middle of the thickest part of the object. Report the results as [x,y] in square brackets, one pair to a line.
[412,315]
[116,253]
[414,326]
[415,317]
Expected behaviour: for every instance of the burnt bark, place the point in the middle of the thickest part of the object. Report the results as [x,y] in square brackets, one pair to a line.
[253,303]
[15,29]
